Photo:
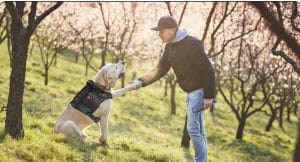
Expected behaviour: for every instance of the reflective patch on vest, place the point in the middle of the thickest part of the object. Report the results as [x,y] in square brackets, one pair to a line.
[89,99]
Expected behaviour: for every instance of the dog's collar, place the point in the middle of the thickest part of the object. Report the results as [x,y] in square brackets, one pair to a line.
[103,88]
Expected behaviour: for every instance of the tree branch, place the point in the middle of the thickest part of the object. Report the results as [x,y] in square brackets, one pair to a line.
[106,24]
[13,12]
[47,12]
[33,24]
[169,8]
[284,56]
[277,27]
[182,13]
[32,14]
[20,8]
[294,16]
[225,15]
[208,21]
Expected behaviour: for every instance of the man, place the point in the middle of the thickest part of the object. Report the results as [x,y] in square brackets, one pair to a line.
[195,75]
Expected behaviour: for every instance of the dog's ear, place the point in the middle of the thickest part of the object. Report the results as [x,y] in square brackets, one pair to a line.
[106,77]
[111,81]
[100,77]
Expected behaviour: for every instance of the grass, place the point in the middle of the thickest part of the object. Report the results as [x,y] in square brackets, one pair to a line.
[140,126]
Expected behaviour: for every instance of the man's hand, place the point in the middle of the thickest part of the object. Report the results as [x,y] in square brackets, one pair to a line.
[208,103]
[136,84]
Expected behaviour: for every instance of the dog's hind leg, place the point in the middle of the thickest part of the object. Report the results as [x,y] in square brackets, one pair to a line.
[69,128]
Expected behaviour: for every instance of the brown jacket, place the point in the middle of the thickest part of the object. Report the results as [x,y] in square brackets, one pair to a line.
[192,68]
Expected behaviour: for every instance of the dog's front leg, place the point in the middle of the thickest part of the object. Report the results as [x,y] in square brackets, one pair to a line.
[103,124]
[121,92]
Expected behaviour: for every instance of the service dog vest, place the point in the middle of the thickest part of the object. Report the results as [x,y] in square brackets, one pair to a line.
[89,98]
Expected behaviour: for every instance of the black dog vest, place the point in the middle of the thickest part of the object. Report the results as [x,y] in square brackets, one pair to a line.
[89,98]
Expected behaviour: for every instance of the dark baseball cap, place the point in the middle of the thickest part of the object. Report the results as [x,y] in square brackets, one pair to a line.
[166,22]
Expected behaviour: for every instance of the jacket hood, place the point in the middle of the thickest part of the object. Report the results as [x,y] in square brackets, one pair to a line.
[180,34]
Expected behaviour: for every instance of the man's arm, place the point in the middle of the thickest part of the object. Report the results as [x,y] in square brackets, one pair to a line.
[206,71]
[161,69]
[120,92]
[208,75]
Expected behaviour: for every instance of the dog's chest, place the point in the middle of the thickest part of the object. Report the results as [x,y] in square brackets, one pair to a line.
[88,100]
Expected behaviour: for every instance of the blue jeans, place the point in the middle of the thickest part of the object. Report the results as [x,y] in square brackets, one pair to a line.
[195,124]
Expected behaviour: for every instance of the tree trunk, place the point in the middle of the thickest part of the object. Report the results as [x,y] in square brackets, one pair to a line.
[13,121]
[172,99]
[103,56]
[296,109]
[20,39]
[123,81]
[271,120]
[55,58]
[46,75]
[240,130]
[281,117]
[86,68]
[288,115]
[166,87]
[185,141]
[76,57]
[103,59]
[133,75]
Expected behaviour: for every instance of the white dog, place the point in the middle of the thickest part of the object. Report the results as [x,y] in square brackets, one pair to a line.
[93,103]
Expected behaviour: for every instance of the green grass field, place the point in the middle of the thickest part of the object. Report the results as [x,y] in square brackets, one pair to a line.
[140,126]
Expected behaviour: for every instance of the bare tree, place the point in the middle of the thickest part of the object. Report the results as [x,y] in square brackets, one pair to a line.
[292,86]
[49,45]
[47,53]
[269,89]
[107,24]
[286,93]
[277,26]
[83,34]
[127,32]
[218,33]
[246,84]
[244,81]
[20,38]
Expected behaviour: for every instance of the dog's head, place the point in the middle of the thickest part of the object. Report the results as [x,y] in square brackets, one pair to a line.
[108,75]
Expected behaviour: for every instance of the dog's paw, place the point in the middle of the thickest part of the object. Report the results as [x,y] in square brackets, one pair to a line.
[118,93]
[103,142]
[136,84]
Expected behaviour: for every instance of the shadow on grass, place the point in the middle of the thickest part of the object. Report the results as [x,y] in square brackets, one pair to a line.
[187,154]
[86,147]
[253,151]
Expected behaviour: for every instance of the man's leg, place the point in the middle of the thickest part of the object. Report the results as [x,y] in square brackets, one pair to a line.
[195,124]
